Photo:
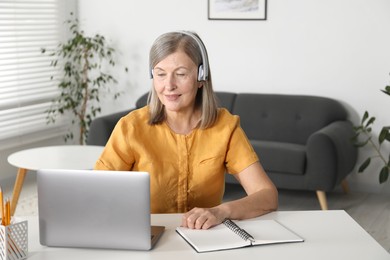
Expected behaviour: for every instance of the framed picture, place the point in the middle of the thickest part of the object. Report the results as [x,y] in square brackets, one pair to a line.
[237,9]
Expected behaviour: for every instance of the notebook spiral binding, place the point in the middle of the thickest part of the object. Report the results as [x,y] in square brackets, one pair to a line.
[236,229]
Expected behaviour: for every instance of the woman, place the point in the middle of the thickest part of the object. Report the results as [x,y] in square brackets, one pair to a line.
[186,143]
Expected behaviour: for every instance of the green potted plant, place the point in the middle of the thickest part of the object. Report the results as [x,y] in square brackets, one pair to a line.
[365,129]
[83,60]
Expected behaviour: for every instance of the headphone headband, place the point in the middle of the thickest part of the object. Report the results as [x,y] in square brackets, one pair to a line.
[203,69]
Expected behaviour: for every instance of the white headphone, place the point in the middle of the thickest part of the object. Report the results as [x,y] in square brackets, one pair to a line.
[203,69]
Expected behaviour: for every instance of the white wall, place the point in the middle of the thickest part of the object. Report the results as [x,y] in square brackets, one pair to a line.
[333,48]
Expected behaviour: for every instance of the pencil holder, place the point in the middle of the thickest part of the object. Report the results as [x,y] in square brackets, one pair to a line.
[14,241]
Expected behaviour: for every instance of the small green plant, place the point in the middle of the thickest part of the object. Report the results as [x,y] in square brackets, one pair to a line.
[365,129]
[82,60]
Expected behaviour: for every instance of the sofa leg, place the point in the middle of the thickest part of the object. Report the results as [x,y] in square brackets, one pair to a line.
[345,186]
[322,199]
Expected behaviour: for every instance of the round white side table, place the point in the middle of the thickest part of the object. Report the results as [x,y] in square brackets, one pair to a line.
[51,157]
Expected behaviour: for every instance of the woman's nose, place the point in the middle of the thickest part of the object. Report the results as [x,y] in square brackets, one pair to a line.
[171,82]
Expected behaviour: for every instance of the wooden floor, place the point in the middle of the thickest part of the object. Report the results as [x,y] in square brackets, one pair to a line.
[371,211]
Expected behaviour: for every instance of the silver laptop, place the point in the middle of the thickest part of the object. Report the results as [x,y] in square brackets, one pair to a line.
[95,209]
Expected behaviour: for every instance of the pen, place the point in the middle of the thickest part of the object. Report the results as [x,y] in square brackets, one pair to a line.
[248,236]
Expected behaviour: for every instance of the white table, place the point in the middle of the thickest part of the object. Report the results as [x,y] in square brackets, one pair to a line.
[328,235]
[51,157]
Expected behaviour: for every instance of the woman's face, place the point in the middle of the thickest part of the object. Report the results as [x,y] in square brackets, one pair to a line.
[175,82]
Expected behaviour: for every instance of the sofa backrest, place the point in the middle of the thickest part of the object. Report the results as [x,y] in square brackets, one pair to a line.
[142,101]
[226,99]
[285,118]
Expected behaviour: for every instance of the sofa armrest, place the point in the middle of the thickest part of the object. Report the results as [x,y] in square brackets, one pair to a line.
[330,152]
[101,128]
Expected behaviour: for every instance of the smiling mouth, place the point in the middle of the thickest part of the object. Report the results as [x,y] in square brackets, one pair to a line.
[172,97]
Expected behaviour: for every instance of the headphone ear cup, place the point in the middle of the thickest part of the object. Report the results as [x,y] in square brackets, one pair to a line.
[200,72]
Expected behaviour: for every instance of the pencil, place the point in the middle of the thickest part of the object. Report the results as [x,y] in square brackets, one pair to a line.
[2,206]
[7,212]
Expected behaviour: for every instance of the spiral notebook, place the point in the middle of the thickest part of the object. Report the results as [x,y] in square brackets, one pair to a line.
[238,234]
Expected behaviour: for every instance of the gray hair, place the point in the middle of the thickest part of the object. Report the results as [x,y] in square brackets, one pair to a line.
[162,47]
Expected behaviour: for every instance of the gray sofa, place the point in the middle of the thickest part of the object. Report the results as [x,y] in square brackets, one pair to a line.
[303,142]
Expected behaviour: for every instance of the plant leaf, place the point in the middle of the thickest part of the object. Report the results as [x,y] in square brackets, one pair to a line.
[386,90]
[383,135]
[365,116]
[384,174]
[370,121]
[364,165]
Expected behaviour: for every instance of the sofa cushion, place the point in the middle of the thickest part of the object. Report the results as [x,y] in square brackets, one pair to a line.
[281,157]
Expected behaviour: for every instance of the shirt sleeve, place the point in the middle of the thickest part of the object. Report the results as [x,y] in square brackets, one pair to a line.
[117,154]
[240,154]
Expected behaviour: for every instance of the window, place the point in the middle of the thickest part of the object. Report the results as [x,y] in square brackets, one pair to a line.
[26,89]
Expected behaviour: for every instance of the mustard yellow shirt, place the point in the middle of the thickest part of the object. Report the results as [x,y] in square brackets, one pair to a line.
[186,171]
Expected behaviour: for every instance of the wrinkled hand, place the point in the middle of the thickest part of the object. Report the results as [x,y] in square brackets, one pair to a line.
[202,218]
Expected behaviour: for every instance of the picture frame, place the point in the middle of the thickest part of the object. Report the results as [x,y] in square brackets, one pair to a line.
[237,10]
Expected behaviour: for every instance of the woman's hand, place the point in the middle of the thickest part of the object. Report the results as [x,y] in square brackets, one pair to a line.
[262,197]
[202,218]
